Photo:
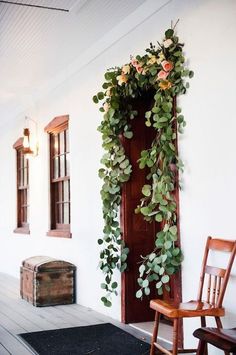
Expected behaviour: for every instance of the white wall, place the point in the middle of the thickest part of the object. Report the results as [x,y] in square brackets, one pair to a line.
[208,29]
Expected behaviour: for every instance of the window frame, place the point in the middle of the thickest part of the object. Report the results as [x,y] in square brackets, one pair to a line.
[22,227]
[57,125]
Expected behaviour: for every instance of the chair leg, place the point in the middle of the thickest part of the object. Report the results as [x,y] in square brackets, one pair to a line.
[218,322]
[203,322]
[155,332]
[219,326]
[202,348]
[175,336]
[205,347]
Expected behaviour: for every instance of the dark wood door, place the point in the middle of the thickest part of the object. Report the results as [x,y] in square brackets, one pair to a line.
[138,234]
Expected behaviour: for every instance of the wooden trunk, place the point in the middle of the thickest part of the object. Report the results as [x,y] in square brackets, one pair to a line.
[46,281]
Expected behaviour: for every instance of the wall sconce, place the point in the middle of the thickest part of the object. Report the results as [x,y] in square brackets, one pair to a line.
[30,144]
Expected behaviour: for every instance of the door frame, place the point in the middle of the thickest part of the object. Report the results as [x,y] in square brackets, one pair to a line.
[178,275]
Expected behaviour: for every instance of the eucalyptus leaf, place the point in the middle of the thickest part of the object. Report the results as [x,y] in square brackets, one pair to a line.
[95,99]
[169,33]
[165,279]
[158,217]
[173,230]
[146,190]
[145,283]
[139,294]
[128,134]
[147,291]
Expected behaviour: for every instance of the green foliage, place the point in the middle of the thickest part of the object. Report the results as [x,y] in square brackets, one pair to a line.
[143,74]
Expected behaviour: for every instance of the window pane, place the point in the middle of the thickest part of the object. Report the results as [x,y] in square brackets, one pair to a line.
[60,191]
[26,197]
[21,160]
[66,213]
[67,141]
[55,168]
[55,144]
[62,142]
[67,165]
[25,177]
[25,214]
[59,213]
[21,217]
[21,177]
[25,161]
[66,191]
[62,165]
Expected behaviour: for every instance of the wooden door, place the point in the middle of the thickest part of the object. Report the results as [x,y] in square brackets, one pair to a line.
[138,234]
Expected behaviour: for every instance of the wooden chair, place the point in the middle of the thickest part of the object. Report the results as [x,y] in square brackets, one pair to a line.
[224,339]
[216,286]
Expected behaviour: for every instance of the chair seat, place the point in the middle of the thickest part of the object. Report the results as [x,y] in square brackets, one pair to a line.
[224,339]
[187,309]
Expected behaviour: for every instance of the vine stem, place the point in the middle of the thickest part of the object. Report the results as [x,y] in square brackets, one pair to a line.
[173,27]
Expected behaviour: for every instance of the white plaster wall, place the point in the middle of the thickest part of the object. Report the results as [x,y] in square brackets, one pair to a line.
[208,28]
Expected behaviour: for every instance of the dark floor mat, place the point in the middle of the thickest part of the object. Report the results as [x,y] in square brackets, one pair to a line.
[100,339]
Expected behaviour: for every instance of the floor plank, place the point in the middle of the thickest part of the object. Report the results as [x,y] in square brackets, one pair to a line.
[12,343]
[3,351]
[18,316]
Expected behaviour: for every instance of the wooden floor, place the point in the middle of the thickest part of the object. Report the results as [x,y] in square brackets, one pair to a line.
[17,316]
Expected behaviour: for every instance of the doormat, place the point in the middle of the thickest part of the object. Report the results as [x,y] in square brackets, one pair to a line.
[99,339]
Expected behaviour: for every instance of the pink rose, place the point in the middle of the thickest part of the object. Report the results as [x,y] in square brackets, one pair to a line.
[139,69]
[167,66]
[134,62]
[162,75]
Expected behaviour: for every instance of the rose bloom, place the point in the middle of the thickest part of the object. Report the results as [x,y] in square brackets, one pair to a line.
[139,69]
[126,69]
[144,72]
[122,79]
[134,62]
[165,84]
[106,106]
[167,43]
[162,75]
[167,66]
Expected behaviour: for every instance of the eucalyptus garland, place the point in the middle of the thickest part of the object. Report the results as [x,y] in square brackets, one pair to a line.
[161,71]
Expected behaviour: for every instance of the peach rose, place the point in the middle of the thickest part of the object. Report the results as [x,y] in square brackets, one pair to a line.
[165,84]
[126,69]
[167,43]
[167,66]
[122,79]
[162,75]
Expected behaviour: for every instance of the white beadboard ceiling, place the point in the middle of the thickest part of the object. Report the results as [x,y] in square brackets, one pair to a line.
[37,44]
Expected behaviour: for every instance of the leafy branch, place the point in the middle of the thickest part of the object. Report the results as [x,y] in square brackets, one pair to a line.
[161,71]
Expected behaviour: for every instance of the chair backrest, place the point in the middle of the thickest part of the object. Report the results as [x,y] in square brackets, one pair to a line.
[217,277]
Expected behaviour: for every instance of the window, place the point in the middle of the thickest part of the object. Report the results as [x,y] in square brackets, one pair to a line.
[22,176]
[59,177]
